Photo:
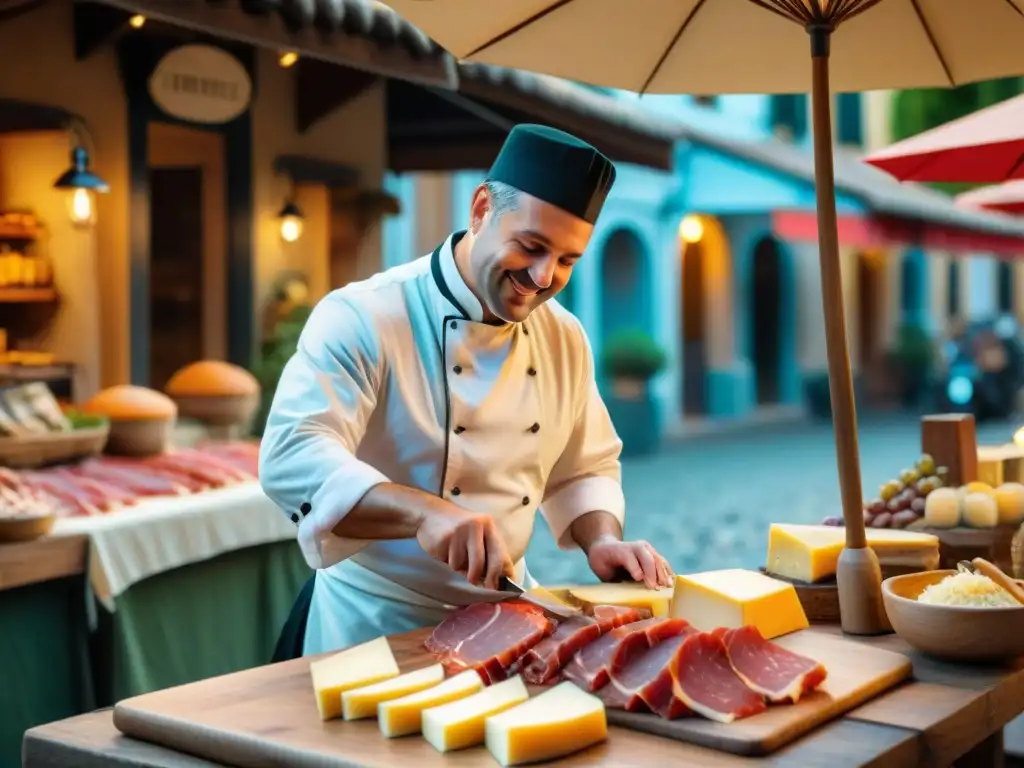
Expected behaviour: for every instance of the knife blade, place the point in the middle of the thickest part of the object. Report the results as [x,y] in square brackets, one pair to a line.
[549,604]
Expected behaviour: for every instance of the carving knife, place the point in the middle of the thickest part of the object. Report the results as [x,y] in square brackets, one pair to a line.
[541,598]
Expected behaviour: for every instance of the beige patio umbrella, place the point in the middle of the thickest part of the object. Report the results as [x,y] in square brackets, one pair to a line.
[756,46]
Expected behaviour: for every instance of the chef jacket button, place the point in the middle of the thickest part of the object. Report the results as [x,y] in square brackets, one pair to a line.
[453,325]
[457,369]
[295,518]
[535,428]
[305,508]
[531,371]
[459,430]
[456,491]
[526,331]
[526,500]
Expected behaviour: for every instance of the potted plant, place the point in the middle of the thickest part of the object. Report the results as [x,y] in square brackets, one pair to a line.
[631,359]
[914,358]
[276,352]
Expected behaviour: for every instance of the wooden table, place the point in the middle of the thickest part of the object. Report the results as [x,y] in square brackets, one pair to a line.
[32,562]
[948,715]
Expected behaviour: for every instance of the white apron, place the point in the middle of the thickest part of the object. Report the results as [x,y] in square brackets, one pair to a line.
[397,379]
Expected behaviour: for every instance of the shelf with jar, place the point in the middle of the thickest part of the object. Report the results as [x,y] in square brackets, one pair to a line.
[26,274]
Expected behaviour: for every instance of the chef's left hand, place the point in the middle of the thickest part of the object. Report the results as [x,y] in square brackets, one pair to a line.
[608,558]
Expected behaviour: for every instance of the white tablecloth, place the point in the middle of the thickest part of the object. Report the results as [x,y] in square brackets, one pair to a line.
[157,535]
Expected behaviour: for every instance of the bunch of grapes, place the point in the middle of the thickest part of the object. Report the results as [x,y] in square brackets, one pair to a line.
[901,502]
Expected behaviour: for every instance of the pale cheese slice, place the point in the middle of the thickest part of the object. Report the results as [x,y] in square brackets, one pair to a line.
[736,598]
[352,668]
[460,724]
[558,722]
[362,702]
[628,595]
[810,553]
[401,717]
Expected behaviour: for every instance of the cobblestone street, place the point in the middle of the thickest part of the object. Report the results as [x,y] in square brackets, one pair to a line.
[708,503]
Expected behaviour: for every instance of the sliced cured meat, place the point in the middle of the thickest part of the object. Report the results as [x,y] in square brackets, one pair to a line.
[243,455]
[641,678]
[195,483]
[192,460]
[769,669]
[542,663]
[137,480]
[488,637]
[72,497]
[590,667]
[701,677]
[104,495]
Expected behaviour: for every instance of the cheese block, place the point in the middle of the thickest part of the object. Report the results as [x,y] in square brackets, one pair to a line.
[362,702]
[810,552]
[630,595]
[401,717]
[352,668]
[562,720]
[460,724]
[736,598]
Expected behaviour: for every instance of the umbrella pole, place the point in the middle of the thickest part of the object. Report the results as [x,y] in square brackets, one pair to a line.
[858,574]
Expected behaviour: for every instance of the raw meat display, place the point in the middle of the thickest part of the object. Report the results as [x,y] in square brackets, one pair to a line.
[104,484]
[542,663]
[774,672]
[488,637]
[663,666]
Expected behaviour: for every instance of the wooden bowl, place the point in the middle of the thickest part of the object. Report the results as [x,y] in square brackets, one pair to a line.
[33,451]
[26,528]
[217,410]
[139,437]
[948,631]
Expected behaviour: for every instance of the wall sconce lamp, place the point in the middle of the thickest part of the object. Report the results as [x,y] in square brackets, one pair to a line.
[691,229]
[82,186]
[291,221]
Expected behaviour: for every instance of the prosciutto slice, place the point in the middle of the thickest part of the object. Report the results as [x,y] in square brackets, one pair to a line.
[639,681]
[591,666]
[769,669]
[542,663]
[701,678]
[488,637]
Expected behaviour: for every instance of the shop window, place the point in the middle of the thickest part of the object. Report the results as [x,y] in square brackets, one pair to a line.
[953,290]
[850,119]
[788,115]
[1005,287]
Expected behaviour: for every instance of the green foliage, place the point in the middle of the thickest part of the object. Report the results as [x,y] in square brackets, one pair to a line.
[921,109]
[277,351]
[632,354]
[79,420]
[914,349]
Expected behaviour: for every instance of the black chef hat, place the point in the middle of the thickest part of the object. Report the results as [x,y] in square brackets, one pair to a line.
[555,167]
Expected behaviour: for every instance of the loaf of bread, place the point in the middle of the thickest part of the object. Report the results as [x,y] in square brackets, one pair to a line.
[212,378]
[126,402]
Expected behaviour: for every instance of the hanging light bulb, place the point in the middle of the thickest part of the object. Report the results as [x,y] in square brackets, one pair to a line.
[691,229]
[291,221]
[82,185]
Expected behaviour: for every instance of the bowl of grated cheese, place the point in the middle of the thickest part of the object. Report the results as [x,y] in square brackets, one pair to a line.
[955,615]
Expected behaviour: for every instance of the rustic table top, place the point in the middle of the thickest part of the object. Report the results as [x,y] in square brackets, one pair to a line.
[51,557]
[949,713]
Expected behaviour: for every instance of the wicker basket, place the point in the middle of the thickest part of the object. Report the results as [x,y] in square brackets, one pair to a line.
[33,451]
[27,528]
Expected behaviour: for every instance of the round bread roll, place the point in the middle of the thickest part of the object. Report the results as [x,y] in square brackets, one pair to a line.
[126,402]
[1010,500]
[212,378]
[980,511]
[942,508]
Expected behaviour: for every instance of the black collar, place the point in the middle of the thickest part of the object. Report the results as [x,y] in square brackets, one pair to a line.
[435,271]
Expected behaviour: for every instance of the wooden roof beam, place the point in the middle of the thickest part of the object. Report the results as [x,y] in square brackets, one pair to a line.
[321,88]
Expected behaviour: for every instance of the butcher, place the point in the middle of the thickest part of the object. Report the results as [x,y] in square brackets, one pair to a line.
[431,410]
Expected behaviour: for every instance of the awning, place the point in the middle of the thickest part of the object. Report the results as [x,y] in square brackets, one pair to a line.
[881,231]
[901,214]
[430,129]
[442,116]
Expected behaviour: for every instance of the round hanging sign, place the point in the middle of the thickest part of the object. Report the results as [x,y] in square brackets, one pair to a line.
[201,84]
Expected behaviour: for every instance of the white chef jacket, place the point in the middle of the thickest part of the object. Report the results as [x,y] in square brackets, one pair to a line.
[397,379]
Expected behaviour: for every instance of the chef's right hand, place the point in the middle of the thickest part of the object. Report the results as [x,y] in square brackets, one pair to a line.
[468,543]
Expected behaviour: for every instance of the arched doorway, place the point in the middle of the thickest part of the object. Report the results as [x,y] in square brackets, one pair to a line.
[706,334]
[870,301]
[625,299]
[766,319]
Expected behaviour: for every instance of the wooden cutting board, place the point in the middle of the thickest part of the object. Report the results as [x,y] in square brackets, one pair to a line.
[856,673]
[267,716]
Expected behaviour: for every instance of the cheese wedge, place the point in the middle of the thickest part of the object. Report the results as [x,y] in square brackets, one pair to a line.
[460,724]
[629,595]
[811,552]
[352,668]
[401,717]
[562,720]
[362,702]
[735,598]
